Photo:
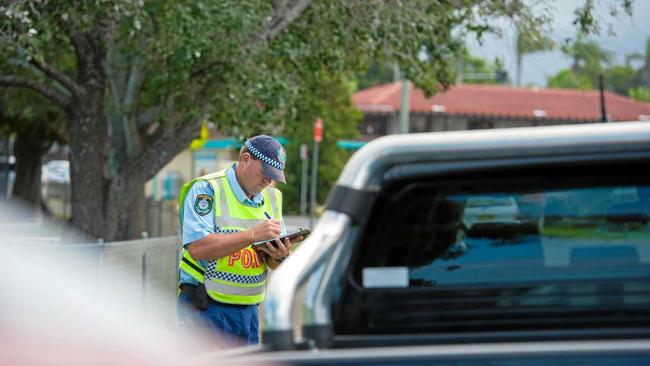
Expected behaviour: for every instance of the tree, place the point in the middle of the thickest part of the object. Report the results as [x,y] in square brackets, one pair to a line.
[469,69]
[477,70]
[590,61]
[640,93]
[641,89]
[530,40]
[377,73]
[136,79]
[567,79]
[644,72]
[621,78]
[331,100]
[36,124]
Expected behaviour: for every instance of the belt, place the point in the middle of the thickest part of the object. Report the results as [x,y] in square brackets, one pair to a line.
[189,289]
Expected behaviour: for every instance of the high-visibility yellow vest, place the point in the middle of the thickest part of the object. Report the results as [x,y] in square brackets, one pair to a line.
[239,278]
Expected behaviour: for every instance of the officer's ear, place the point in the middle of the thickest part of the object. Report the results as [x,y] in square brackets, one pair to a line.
[245,157]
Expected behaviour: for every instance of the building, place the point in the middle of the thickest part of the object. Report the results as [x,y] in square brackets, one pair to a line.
[468,106]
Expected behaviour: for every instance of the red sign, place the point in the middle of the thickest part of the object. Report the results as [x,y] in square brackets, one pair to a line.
[318,130]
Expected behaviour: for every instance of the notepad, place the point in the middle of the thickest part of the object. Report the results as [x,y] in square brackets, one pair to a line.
[291,235]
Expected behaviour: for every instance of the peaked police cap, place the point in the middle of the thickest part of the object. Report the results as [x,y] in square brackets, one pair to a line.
[271,153]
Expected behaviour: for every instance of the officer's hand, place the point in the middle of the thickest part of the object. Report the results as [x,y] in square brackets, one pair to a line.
[278,249]
[268,229]
[297,239]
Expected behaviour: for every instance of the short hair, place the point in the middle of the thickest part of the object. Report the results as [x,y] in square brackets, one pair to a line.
[244,149]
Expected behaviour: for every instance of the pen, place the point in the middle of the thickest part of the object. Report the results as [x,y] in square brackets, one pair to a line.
[267,215]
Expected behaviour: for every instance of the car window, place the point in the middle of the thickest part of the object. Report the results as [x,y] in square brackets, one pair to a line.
[475,249]
[575,233]
[571,233]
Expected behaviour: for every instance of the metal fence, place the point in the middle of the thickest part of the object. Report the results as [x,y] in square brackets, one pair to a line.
[154,262]
[145,269]
[161,218]
[119,281]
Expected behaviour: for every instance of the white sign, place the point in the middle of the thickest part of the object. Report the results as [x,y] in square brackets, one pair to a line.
[375,277]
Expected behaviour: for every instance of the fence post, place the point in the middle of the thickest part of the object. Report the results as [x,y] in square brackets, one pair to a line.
[161,206]
[144,274]
[102,253]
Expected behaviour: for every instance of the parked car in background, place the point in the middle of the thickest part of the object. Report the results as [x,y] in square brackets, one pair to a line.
[55,187]
[495,209]
[7,174]
[383,280]
[499,216]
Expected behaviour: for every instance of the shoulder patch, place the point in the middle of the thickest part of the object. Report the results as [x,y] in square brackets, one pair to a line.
[203,204]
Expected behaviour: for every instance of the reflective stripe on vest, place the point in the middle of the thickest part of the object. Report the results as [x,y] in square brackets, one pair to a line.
[191,267]
[226,289]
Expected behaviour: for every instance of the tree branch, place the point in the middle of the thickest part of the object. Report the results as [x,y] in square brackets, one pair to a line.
[57,75]
[205,68]
[148,116]
[23,82]
[144,166]
[285,13]
[82,46]
[173,140]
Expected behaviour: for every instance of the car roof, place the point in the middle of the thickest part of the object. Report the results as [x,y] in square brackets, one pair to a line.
[381,154]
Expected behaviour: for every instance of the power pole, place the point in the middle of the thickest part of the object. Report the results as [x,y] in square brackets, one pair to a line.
[318,138]
[404,110]
[601,88]
[303,180]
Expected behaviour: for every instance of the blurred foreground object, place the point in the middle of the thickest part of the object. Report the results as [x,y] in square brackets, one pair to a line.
[58,308]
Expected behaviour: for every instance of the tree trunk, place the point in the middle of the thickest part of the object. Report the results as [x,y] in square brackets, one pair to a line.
[127,220]
[105,206]
[109,205]
[111,208]
[125,207]
[28,150]
[137,214]
[88,137]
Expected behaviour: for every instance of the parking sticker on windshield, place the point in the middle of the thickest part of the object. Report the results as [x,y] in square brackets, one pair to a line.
[376,277]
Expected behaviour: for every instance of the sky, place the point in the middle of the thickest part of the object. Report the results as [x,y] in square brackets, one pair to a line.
[630,37]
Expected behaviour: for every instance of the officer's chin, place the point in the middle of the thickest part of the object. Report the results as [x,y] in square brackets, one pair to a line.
[260,187]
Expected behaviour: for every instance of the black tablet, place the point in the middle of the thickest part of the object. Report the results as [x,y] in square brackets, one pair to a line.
[291,235]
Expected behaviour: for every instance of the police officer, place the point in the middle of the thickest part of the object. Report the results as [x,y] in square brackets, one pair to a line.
[222,279]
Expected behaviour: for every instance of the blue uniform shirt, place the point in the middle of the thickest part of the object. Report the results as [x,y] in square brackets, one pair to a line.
[197,226]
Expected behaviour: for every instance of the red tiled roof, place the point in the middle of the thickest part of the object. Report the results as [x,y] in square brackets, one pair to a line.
[505,101]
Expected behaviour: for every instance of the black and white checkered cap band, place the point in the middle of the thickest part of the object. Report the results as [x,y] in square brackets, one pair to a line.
[266,160]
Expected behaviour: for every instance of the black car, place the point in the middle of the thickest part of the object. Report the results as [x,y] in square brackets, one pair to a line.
[386,278]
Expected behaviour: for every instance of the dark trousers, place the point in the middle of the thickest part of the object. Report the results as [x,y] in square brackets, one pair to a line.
[238,321]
